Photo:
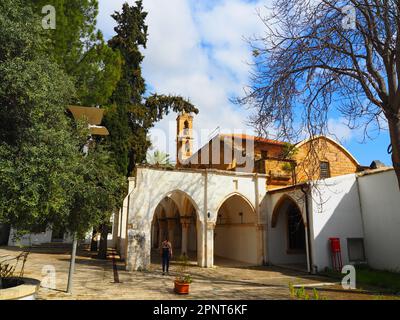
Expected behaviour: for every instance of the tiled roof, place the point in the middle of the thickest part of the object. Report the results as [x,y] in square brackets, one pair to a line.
[256,139]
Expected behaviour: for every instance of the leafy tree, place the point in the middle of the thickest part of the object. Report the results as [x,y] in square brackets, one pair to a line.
[81,50]
[158,158]
[38,151]
[131,115]
[75,30]
[44,178]
[315,57]
[97,74]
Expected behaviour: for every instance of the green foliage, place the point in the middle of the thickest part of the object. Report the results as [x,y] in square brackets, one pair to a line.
[98,74]
[36,146]
[289,166]
[291,289]
[75,30]
[183,276]
[81,51]
[130,115]
[11,267]
[131,35]
[289,151]
[158,158]
[44,178]
[99,189]
[302,294]
[388,280]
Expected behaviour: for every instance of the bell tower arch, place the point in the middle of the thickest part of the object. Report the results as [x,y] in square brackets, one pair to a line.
[184,138]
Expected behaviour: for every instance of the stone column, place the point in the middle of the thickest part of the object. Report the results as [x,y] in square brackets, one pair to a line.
[201,254]
[261,258]
[138,248]
[161,231]
[210,244]
[185,222]
[171,230]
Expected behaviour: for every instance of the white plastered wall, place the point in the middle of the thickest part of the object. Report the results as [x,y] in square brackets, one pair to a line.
[336,213]
[380,203]
[207,191]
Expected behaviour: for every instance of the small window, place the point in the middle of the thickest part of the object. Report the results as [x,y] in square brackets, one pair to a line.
[324,170]
[187,146]
[186,129]
[296,231]
[355,248]
[264,154]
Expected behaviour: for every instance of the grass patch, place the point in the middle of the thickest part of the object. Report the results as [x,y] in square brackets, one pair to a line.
[304,294]
[387,280]
[383,279]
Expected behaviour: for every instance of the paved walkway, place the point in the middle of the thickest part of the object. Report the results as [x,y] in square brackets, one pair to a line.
[103,279]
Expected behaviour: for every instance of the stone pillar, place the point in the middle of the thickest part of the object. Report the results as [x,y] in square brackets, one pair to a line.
[171,230]
[162,223]
[201,254]
[261,258]
[154,235]
[210,244]
[115,229]
[185,222]
[138,248]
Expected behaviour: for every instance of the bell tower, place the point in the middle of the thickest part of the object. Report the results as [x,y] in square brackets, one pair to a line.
[184,137]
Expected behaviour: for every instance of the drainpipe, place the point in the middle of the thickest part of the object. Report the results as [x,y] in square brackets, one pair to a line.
[305,189]
[205,217]
[258,212]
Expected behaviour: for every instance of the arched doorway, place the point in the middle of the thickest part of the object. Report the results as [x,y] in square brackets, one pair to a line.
[235,236]
[175,218]
[288,235]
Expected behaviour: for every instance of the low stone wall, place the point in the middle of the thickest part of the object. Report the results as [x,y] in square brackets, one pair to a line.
[27,290]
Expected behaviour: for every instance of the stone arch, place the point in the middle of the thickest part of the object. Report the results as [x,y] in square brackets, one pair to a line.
[235,236]
[233,194]
[184,229]
[160,197]
[288,234]
[285,199]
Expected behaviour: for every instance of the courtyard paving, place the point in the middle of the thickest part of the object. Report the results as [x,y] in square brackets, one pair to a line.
[107,279]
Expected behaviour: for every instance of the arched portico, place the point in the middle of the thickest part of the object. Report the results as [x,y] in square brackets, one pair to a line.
[176,219]
[196,196]
[288,233]
[236,231]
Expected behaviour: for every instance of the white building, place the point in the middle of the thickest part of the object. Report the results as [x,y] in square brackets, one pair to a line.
[214,214]
[218,215]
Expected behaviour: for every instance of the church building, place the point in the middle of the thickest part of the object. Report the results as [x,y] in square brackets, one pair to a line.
[247,200]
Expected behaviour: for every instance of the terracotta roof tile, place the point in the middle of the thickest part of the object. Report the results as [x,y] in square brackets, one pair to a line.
[256,139]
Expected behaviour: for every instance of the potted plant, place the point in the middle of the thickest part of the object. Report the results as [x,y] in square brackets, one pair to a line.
[183,279]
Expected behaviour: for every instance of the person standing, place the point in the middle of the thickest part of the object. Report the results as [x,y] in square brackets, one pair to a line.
[166,254]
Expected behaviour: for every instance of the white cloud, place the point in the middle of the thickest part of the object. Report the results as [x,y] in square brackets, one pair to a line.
[197,51]
[340,131]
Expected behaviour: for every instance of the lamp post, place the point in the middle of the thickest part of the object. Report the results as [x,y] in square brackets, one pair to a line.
[94,117]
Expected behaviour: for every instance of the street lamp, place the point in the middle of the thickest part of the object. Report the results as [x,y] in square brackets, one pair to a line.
[94,117]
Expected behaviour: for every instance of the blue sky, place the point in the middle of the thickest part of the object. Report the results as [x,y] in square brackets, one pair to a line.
[196,49]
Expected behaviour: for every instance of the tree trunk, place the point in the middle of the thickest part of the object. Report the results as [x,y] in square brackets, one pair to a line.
[93,242]
[394,129]
[72,264]
[103,242]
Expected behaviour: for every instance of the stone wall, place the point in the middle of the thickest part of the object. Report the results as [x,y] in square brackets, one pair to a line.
[309,155]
